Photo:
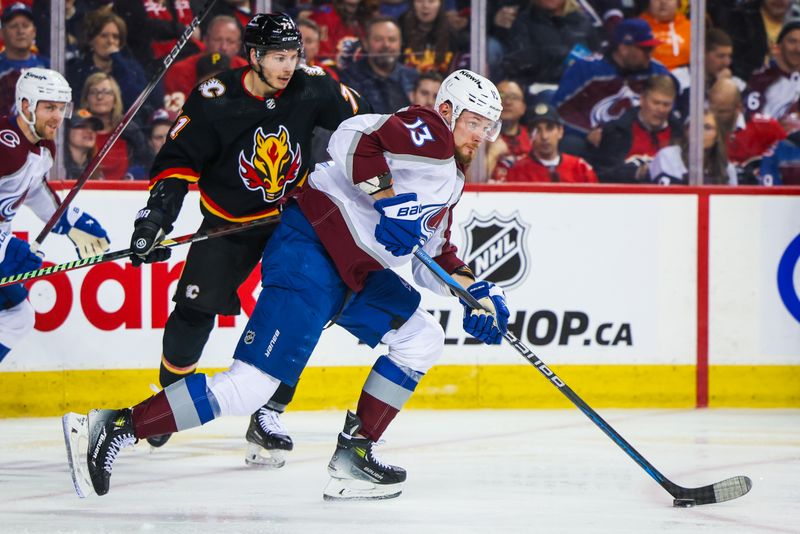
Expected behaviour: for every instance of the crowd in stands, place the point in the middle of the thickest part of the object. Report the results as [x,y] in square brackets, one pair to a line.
[593,90]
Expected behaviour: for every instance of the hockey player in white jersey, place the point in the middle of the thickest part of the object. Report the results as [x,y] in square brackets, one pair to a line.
[27,150]
[391,188]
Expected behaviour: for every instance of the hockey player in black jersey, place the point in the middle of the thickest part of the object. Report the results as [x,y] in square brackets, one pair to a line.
[244,137]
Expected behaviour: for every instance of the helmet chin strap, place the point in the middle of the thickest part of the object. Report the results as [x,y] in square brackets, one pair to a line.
[31,125]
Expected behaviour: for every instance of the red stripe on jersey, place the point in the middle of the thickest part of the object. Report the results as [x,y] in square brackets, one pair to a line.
[417,131]
[182,173]
[352,263]
[217,210]
[153,417]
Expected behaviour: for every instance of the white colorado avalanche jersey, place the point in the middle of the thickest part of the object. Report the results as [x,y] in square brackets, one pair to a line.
[23,171]
[416,148]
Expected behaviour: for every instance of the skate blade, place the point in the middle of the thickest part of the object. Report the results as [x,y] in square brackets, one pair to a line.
[254,458]
[348,489]
[76,439]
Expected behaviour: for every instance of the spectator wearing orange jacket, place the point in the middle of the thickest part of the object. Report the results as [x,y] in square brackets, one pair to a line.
[673,29]
[544,162]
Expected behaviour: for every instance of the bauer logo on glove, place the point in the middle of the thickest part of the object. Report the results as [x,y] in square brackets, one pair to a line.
[491,321]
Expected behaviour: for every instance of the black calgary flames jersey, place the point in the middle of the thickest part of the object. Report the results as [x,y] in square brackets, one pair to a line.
[247,153]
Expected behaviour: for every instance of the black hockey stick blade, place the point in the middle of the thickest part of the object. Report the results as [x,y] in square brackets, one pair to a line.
[95,162]
[725,490]
[121,254]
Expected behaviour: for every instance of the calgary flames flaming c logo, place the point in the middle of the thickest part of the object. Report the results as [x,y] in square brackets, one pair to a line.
[274,164]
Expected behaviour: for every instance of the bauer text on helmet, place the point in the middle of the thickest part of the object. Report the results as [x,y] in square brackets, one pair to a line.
[37,85]
[466,90]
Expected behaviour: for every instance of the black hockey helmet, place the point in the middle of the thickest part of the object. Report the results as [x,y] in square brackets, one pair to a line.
[272,31]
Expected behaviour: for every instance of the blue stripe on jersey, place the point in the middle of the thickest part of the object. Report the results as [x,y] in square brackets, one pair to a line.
[189,402]
[392,372]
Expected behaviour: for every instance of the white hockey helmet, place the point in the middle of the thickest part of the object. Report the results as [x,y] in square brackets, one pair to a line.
[466,90]
[37,84]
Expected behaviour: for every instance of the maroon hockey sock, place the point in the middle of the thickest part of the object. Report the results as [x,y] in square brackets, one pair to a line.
[386,390]
[153,417]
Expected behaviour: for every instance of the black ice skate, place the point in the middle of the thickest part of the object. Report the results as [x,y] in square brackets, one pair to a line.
[158,441]
[100,436]
[355,471]
[266,432]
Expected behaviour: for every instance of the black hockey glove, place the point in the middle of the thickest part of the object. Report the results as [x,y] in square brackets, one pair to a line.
[147,233]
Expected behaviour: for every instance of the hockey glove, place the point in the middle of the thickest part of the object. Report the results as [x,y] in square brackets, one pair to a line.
[400,227]
[16,256]
[488,326]
[147,233]
[89,238]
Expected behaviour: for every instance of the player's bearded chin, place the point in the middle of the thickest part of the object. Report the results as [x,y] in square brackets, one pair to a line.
[463,158]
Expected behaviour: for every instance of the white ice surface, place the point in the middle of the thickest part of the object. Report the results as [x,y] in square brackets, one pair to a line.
[469,471]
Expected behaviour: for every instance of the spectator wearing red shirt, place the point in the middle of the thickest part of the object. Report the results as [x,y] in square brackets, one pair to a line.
[101,96]
[223,36]
[629,143]
[544,163]
[750,137]
[514,142]
[343,20]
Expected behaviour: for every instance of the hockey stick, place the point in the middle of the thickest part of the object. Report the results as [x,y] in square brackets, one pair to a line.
[725,490]
[120,254]
[126,119]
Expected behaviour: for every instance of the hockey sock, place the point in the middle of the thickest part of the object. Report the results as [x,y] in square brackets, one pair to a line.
[169,374]
[282,397]
[185,404]
[386,390]
[3,351]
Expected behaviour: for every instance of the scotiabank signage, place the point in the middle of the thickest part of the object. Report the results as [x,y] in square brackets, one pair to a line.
[131,313]
[583,283]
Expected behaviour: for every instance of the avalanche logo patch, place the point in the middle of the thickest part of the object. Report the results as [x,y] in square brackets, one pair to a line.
[495,248]
[612,107]
[273,166]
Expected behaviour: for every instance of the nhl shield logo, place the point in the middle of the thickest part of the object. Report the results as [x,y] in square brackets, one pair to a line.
[495,248]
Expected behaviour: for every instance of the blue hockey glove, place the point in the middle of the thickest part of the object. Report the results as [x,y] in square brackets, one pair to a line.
[488,326]
[89,238]
[16,256]
[400,227]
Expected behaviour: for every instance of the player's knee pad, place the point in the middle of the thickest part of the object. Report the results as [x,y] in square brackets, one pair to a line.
[185,335]
[15,323]
[242,389]
[417,344]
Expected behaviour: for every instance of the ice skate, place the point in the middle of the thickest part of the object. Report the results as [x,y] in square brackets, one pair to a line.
[356,474]
[109,432]
[76,439]
[158,441]
[267,433]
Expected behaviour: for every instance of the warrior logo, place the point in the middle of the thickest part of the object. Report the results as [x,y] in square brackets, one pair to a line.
[495,248]
[274,164]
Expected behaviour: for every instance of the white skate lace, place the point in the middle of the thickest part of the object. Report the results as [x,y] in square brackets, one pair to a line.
[270,422]
[377,459]
[118,443]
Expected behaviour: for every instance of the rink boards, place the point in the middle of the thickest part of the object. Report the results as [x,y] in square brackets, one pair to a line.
[635,296]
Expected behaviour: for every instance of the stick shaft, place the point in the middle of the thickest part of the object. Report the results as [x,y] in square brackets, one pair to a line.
[526,353]
[126,119]
[121,254]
